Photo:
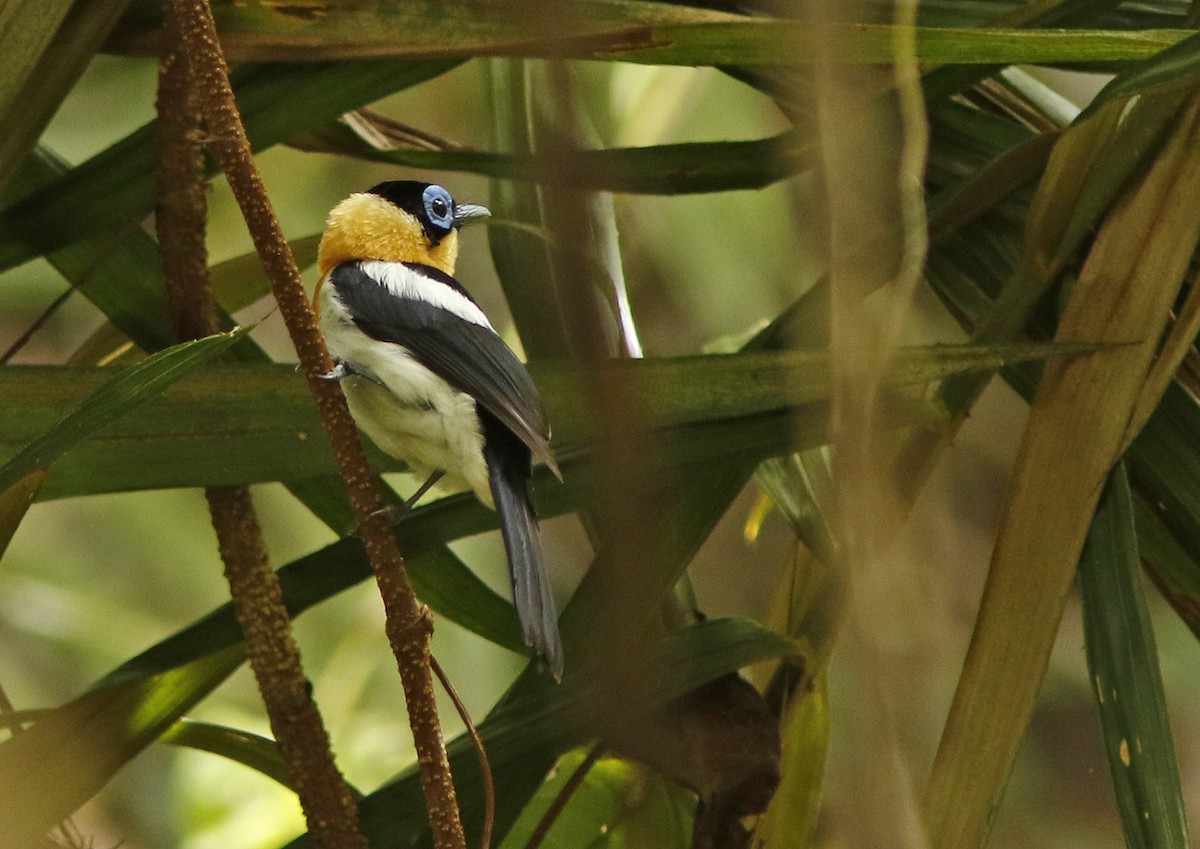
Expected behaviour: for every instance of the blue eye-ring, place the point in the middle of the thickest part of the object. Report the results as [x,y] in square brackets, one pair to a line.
[439,208]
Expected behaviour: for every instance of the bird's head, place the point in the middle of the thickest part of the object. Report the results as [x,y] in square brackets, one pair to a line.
[397,221]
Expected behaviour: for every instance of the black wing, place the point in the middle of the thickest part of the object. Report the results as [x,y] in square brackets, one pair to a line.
[468,356]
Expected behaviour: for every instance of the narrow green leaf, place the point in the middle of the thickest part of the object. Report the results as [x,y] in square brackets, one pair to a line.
[988,186]
[1165,470]
[73,751]
[236,283]
[950,80]
[1172,569]
[1123,662]
[984,46]
[115,188]
[681,390]
[240,281]
[444,582]
[619,803]
[791,820]
[15,503]
[131,387]
[122,277]
[631,31]
[1017,47]
[527,731]
[1175,68]
[1090,164]
[246,423]
[666,169]
[46,51]
[522,260]
[27,27]
[260,754]
[260,413]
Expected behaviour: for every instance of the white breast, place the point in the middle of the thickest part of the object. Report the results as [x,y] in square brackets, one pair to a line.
[407,410]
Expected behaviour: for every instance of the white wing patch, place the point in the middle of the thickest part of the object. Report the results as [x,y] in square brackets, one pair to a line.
[404,282]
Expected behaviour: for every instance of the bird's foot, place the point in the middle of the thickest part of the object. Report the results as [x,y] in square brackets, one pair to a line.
[392,513]
[395,512]
[339,371]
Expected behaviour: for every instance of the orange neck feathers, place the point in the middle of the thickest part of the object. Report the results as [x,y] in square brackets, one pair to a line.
[365,226]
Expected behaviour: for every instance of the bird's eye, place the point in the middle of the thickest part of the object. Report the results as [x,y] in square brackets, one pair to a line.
[439,208]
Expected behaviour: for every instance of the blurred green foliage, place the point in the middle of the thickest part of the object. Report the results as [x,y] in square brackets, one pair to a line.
[90,583]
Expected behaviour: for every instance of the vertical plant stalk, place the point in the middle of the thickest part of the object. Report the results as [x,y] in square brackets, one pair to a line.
[408,623]
[180,209]
[872,174]
[329,806]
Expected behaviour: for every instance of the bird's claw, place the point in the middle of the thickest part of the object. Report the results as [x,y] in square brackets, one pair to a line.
[340,370]
[393,513]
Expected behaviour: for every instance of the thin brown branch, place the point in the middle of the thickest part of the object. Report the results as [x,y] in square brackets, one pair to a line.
[38,323]
[485,765]
[564,796]
[181,210]
[408,623]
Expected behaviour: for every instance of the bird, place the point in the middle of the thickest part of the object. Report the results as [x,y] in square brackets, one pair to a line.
[429,379]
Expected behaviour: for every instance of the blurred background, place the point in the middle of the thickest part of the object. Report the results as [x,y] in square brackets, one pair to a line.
[89,582]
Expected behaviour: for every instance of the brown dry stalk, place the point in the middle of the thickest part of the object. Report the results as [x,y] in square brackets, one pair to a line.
[180,205]
[329,807]
[328,804]
[408,623]
[876,242]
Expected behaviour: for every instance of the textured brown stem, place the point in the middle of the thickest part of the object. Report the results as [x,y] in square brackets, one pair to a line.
[408,622]
[180,209]
[329,807]
[328,804]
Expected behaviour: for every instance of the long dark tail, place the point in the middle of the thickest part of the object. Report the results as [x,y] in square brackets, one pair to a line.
[508,460]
